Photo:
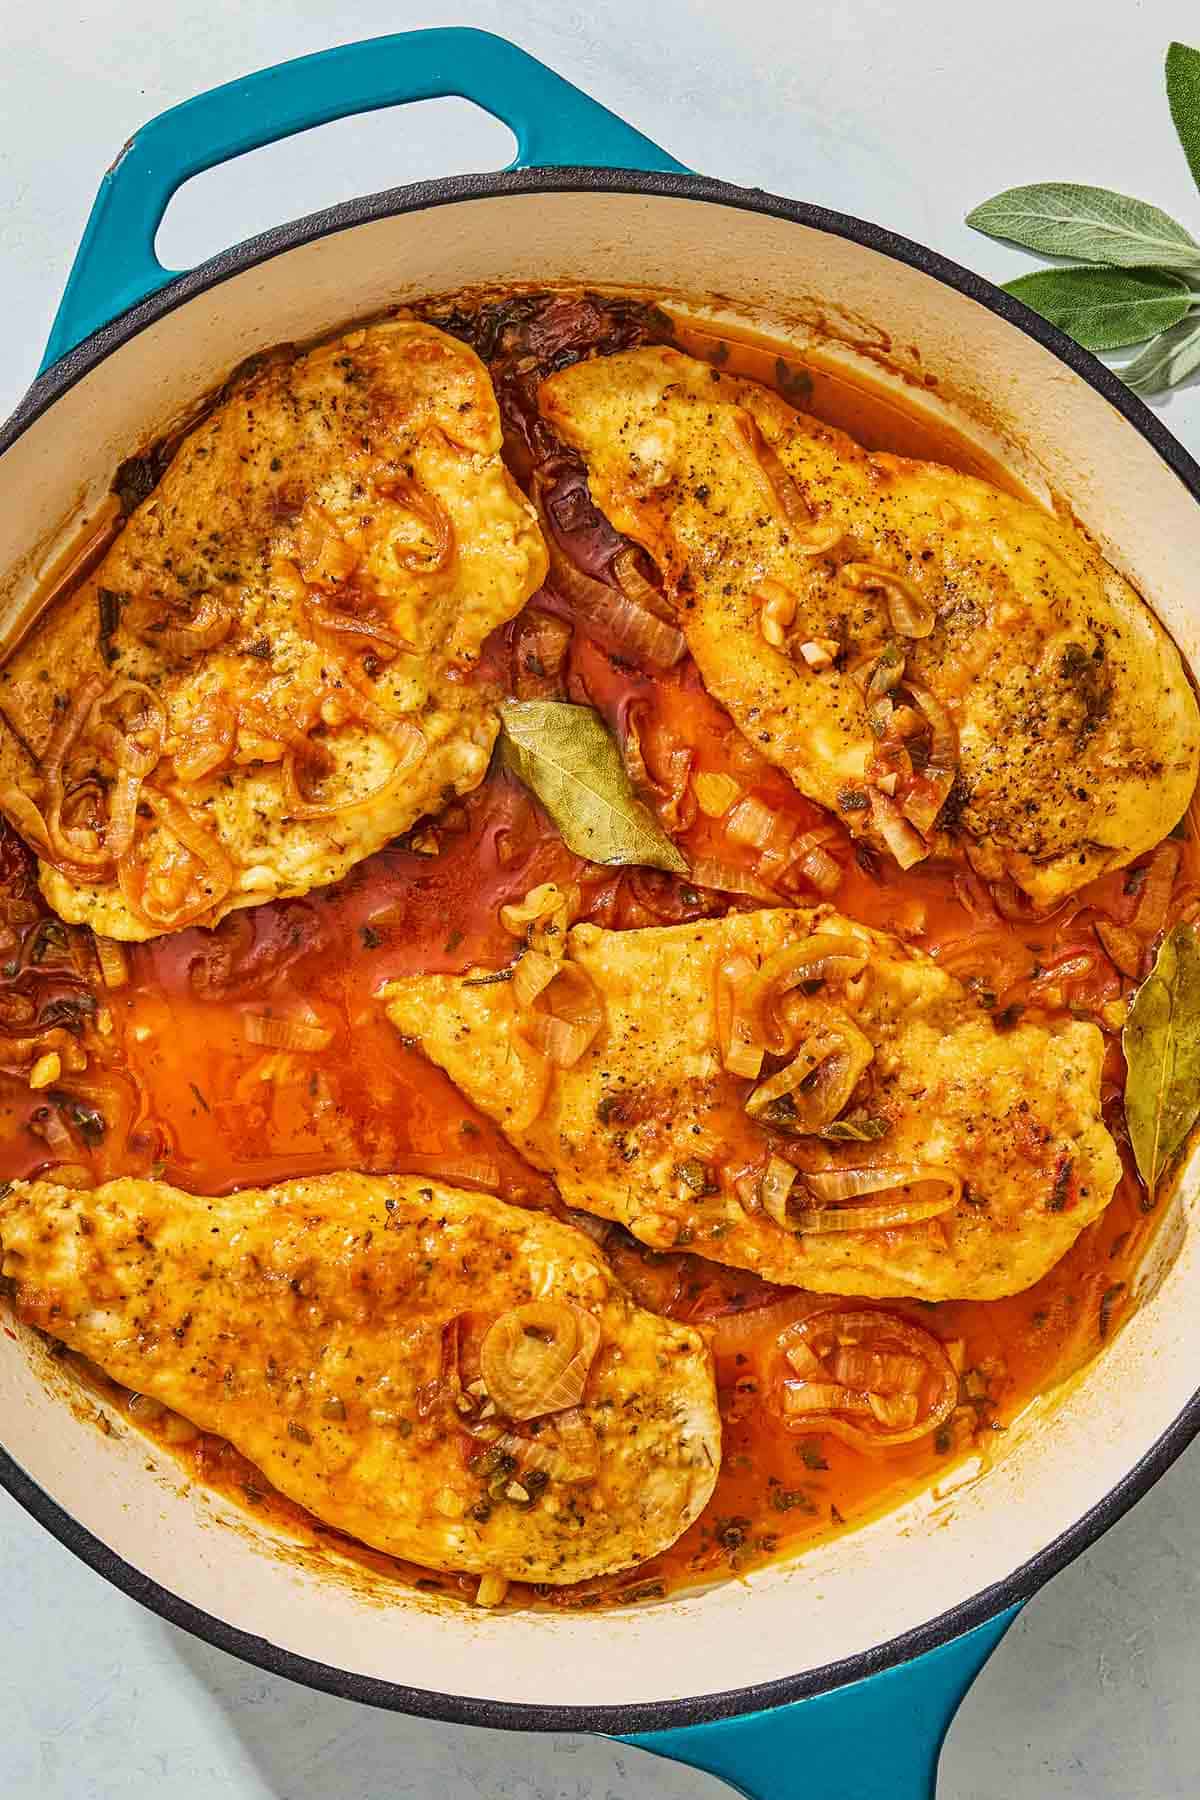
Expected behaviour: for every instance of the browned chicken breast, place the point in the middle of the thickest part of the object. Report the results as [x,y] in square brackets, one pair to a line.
[789,1092]
[447,1378]
[930,658]
[271,672]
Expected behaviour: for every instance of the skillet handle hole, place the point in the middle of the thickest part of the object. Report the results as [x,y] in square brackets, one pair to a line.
[324,166]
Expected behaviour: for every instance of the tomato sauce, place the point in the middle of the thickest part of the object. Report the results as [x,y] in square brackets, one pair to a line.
[180,1084]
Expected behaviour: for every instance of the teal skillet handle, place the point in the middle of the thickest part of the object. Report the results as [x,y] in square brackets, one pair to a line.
[553,122]
[877,1739]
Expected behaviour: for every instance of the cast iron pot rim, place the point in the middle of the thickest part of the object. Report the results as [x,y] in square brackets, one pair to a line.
[979,1608]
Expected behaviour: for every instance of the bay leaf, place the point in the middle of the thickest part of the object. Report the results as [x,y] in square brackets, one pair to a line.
[1106,309]
[565,756]
[1091,224]
[1166,362]
[1183,96]
[1161,1041]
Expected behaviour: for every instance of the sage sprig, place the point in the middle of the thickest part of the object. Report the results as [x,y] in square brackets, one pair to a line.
[1135,271]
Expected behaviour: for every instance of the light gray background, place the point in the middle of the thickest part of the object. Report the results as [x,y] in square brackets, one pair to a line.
[904,111]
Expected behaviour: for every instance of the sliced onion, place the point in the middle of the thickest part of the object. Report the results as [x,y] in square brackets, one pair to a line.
[824,956]
[810,537]
[883,1371]
[629,626]
[322,553]
[834,1186]
[563,1041]
[739,1034]
[203,849]
[727,878]
[809,856]
[806,1365]
[540,903]
[181,636]
[1122,946]
[817,539]
[406,744]
[715,794]
[1155,895]
[905,844]
[778,1179]
[633,583]
[751,823]
[23,813]
[478,1171]
[580,1447]
[114,965]
[122,813]
[69,844]
[326,622]
[668,783]
[922,806]
[132,742]
[286,1033]
[731,1333]
[803,1398]
[419,500]
[535,1359]
[909,611]
[896,1411]
[533,973]
[570,1018]
[825,1332]
[818,1081]
[207,742]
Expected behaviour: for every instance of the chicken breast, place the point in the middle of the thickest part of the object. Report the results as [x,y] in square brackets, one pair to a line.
[358,1338]
[271,672]
[932,659]
[970,1157]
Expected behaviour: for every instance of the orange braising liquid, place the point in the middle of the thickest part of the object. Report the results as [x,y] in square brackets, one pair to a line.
[175,1088]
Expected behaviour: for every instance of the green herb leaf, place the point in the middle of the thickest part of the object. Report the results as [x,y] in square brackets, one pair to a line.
[1161,1041]
[565,756]
[1106,309]
[859,1131]
[1183,95]
[1166,362]
[1064,218]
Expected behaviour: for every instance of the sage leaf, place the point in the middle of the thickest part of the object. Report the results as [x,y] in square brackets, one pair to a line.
[1090,224]
[565,756]
[1183,97]
[858,1131]
[1106,309]
[1166,362]
[1161,1041]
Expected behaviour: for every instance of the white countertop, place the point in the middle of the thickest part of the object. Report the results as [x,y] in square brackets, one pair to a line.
[904,111]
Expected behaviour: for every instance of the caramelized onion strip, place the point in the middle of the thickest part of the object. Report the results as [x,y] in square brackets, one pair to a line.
[535,1359]
[833,1187]
[207,885]
[917,1370]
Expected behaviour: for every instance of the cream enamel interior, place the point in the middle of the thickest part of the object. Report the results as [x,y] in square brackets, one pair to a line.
[868,1587]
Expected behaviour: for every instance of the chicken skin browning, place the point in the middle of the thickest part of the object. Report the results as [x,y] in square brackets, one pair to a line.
[450,1379]
[793,1093]
[271,673]
[935,661]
